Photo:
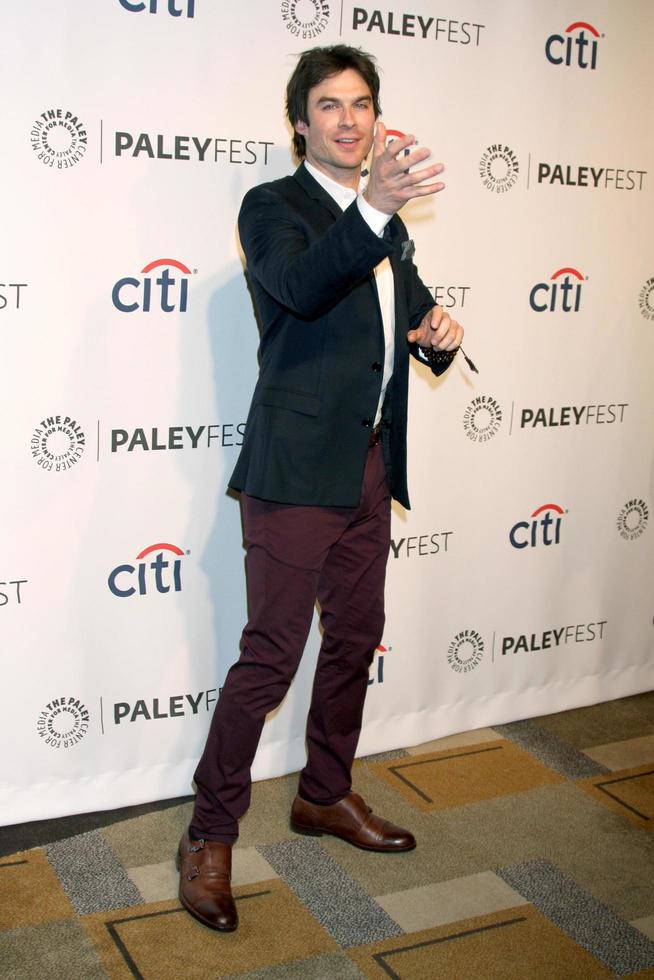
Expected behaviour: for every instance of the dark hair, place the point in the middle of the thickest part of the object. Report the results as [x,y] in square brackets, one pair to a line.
[314,66]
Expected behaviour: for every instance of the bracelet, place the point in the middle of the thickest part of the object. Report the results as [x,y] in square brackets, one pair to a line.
[438,356]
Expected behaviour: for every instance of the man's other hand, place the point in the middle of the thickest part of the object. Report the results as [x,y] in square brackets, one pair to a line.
[390,184]
[437,330]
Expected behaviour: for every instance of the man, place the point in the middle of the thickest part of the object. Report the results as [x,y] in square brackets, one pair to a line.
[341,307]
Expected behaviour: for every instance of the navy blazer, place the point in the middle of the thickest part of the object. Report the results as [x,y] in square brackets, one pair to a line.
[310,266]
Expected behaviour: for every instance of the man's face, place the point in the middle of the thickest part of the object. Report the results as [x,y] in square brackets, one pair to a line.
[341,126]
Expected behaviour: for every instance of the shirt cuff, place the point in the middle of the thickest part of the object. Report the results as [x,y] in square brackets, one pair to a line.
[376,220]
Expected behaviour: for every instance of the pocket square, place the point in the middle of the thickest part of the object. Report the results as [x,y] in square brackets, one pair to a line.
[408,249]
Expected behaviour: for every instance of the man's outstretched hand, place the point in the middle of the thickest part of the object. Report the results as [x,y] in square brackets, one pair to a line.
[390,184]
[437,330]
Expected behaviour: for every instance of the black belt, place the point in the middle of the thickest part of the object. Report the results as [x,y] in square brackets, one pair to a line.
[375,436]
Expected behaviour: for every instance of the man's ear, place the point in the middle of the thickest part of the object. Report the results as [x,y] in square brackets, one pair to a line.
[301,127]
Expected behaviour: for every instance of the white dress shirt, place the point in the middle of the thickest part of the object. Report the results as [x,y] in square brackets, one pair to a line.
[376,221]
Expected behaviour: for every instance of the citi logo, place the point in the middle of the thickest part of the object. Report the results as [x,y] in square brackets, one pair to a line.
[377,668]
[160,574]
[563,296]
[543,528]
[170,292]
[186,9]
[566,49]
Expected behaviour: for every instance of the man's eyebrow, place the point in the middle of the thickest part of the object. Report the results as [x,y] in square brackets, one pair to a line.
[329,98]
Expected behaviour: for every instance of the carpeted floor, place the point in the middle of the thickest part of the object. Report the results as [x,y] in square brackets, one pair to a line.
[535,859]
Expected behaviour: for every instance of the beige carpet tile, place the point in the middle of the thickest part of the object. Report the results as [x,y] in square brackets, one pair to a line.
[599,724]
[53,951]
[162,941]
[440,780]
[30,891]
[333,966]
[158,882]
[646,925]
[627,754]
[513,944]
[475,737]
[629,792]
[441,902]
[604,853]
[149,839]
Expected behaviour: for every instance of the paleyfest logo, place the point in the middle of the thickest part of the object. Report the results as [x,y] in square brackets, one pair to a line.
[59,139]
[499,168]
[305,19]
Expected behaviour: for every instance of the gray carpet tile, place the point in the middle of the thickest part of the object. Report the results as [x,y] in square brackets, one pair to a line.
[386,756]
[91,875]
[331,966]
[551,750]
[339,904]
[590,923]
[55,950]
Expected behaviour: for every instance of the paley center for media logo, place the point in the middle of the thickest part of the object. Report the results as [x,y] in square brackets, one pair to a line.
[466,651]
[161,574]
[403,24]
[499,168]
[576,47]
[58,443]
[646,299]
[176,8]
[63,722]
[482,418]
[59,139]
[542,528]
[170,292]
[562,296]
[632,519]
[305,19]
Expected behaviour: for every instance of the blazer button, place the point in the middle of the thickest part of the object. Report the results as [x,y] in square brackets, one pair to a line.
[367,423]
[377,367]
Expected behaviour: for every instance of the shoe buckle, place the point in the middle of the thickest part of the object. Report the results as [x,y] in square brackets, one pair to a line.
[194,848]
[195,871]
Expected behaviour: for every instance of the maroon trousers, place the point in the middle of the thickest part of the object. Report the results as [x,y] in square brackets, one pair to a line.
[296,554]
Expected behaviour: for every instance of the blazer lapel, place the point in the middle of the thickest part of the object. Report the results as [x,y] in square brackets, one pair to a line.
[315,191]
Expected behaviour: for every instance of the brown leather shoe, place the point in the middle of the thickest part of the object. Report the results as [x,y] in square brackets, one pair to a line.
[353,821]
[205,869]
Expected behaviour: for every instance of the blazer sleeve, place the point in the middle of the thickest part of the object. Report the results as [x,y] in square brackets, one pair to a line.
[306,276]
[419,302]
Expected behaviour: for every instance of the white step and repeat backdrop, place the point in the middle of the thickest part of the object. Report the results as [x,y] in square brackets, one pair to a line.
[521,581]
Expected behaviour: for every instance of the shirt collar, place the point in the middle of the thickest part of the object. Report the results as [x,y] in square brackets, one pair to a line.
[342,195]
